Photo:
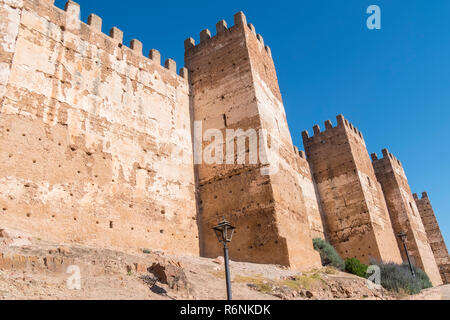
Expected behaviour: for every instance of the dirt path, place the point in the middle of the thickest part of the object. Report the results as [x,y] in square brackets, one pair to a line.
[438,293]
[39,271]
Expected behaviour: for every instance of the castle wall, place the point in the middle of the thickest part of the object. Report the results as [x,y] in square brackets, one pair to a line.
[353,204]
[88,129]
[434,235]
[404,214]
[234,86]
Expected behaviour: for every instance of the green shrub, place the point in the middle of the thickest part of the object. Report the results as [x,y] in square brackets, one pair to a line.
[354,266]
[328,254]
[398,278]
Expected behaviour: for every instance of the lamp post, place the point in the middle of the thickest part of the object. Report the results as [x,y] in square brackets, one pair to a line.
[402,237]
[224,232]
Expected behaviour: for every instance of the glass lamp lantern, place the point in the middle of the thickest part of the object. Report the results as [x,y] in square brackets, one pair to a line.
[224,231]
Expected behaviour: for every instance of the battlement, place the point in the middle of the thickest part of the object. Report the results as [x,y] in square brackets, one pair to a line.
[222,29]
[341,123]
[72,11]
[300,153]
[424,196]
[386,156]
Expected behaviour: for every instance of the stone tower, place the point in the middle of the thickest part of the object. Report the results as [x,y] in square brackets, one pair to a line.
[234,95]
[434,235]
[352,201]
[404,214]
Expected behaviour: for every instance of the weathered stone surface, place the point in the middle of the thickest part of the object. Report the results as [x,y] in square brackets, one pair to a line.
[97,149]
[88,129]
[434,236]
[234,86]
[357,219]
[404,214]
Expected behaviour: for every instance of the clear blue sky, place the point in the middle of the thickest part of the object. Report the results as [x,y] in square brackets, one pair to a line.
[393,84]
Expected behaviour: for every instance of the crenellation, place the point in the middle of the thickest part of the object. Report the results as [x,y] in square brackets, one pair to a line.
[184,73]
[341,121]
[205,35]
[155,56]
[136,46]
[316,129]
[116,34]
[260,39]
[269,52]
[95,22]
[189,43]
[252,28]
[240,19]
[305,135]
[72,7]
[221,26]
[171,65]
[328,125]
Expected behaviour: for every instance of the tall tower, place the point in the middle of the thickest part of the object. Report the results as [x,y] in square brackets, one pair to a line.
[404,214]
[235,94]
[354,207]
[434,235]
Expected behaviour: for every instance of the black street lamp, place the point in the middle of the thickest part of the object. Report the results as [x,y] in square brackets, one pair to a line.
[402,237]
[224,232]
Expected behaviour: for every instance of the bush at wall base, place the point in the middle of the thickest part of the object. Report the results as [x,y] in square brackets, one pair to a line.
[354,266]
[398,278]
[328,254]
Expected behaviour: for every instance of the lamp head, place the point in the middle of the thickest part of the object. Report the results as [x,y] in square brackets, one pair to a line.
[224,231]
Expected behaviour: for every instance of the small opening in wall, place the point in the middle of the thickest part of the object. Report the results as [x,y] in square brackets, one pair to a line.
[75,218]
[132,228]
[370,182]
[111,225]
[28,215]
[161,231]
[97,222]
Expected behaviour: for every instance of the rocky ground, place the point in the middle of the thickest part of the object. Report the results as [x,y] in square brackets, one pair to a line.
[35,269]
